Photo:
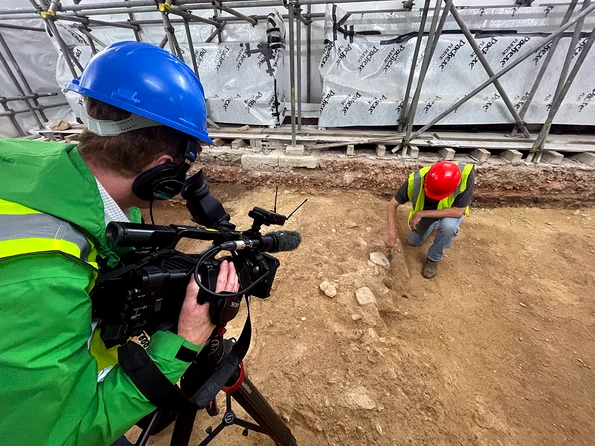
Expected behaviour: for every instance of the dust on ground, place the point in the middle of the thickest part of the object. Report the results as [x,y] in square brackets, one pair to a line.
[499,349]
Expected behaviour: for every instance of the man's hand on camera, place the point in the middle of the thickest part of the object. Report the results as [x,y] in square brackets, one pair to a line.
[195,324]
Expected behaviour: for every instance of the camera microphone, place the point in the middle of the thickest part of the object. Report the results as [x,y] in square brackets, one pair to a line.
[272,242]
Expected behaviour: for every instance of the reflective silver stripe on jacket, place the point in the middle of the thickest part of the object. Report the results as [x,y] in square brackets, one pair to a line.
[461,168]
[23,226]
[416,187]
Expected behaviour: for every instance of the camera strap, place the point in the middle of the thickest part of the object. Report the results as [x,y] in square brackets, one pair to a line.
[149,380]
[227,367]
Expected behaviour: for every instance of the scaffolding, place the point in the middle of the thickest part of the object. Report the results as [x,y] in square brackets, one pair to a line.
[299,16]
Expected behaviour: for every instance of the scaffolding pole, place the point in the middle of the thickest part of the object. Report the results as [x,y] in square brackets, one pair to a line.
[222,7]
[559,98]
[298,38]
[191,47]
[431,43]
[41,107]
[27,88]
[169,30]
[191,17]
[544,66]
[309,55]
[486,66]
[21,27]
[91,37]
[11,115]
[52,12]
[502,72]
[131,18]
[422,26]
[149,6]
[68,57]
[290,6]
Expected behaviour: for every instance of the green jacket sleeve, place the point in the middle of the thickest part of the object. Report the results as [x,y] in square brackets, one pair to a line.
[49,394]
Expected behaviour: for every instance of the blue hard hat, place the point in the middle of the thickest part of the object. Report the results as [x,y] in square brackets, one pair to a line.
[148,81]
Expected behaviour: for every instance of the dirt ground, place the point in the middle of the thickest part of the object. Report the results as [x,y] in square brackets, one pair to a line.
[499,349]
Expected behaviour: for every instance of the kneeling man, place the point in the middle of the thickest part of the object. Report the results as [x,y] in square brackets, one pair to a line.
[441,195]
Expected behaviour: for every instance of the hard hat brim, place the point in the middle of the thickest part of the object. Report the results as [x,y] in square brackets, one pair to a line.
[436,197]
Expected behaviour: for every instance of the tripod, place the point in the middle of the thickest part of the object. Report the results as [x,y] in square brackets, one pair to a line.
[239,387]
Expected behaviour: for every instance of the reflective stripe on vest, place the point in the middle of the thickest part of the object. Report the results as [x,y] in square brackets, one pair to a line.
[417,196]
[27,231]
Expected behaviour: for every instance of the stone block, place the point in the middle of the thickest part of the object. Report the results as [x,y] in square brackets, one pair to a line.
[512,156]
[218,142]
[256,143]
[258,160]
[309,162]
[379,259]
[294,150]
[364,296]
[277,144]
[587,158]
[413,152]
[350,150]
[447,153]
[238,144]
[552,157]
[480,155]
[380,150]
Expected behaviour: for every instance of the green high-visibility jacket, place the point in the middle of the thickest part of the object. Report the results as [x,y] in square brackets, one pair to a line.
[52,228]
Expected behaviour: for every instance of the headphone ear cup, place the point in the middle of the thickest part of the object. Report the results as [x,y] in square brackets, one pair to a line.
[161,182]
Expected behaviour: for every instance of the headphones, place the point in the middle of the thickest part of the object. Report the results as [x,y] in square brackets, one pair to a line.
[165,181]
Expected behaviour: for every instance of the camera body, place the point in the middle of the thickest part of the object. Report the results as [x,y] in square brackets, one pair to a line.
[149,297]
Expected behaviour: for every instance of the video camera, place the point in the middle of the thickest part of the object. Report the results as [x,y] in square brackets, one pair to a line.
[146,291]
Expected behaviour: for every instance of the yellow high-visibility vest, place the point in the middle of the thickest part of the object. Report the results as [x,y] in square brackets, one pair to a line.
[415,189]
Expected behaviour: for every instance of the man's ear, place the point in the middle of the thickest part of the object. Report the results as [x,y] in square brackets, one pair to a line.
[163,159]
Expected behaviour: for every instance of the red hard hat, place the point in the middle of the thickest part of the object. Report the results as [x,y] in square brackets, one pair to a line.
[442,180]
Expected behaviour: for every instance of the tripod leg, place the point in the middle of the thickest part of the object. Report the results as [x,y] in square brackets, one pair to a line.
[146,433]
[212,435]
[257,407]
[183,427]
[247,425]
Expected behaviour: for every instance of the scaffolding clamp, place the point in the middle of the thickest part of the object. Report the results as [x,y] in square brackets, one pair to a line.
[47,14]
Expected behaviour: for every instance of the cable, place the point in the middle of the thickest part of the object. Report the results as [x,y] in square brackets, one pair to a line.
[151,212]
[213,252]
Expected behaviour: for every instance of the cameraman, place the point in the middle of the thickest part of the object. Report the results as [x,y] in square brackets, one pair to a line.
[146,113]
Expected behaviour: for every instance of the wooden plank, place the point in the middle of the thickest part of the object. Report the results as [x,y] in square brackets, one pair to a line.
[468,144]
[346,135]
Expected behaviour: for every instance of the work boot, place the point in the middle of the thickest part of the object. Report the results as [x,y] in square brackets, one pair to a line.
[430,269]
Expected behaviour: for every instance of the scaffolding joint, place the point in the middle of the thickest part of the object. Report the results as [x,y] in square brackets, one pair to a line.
[408,5]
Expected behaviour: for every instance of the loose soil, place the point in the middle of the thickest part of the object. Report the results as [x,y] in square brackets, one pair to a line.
[498,349]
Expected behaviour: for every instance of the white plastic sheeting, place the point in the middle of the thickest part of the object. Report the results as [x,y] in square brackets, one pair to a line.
[365,75]
[38,60]
[33,52]
[243,78]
